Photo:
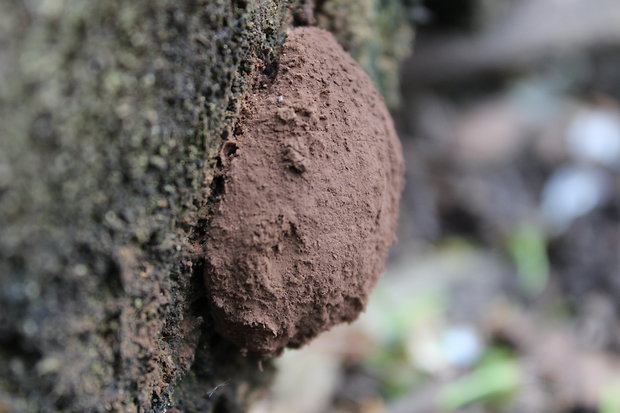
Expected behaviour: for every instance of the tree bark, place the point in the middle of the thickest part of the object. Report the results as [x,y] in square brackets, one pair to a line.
[111,114]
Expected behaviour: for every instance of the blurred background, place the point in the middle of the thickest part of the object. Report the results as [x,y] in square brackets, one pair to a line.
[503,292]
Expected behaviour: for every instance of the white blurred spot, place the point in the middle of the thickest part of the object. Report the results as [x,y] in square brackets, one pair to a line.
[594,135]
[571,192]
[424,350]
[461,345]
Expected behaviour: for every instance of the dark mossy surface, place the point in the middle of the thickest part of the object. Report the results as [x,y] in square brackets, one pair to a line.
[111,113]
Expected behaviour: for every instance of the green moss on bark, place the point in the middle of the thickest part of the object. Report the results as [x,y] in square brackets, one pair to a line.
[111,113]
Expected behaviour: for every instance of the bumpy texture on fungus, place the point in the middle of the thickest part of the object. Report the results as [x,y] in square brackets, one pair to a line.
[312,182]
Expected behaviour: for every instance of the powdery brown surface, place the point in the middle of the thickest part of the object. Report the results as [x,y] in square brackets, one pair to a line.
[312,182]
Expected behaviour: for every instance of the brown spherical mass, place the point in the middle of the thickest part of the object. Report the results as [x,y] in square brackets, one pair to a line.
[312,182]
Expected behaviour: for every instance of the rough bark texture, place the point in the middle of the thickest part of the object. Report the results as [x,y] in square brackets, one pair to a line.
[110,113]
[111,117]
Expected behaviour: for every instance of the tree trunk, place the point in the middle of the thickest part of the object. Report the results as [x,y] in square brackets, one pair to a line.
[111,114]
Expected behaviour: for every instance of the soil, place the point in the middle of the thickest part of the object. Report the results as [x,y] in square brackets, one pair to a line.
[308,200]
